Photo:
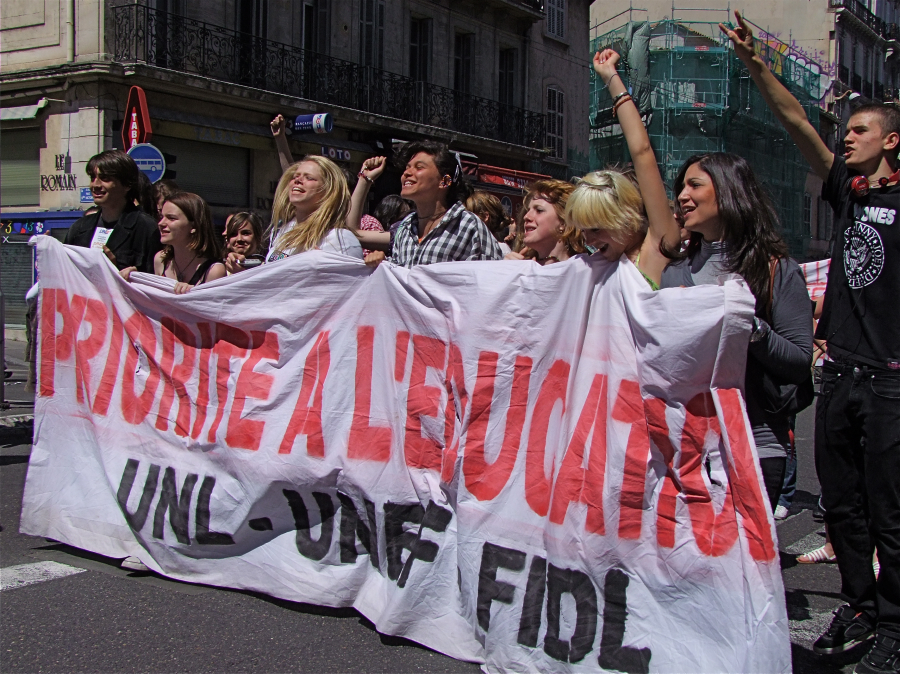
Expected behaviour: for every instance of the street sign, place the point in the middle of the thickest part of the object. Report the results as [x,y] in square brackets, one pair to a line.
[149,160]
[136,126]
[86,196]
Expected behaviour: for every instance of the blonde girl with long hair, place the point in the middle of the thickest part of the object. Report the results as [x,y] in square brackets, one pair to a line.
[309,213]
[616,216]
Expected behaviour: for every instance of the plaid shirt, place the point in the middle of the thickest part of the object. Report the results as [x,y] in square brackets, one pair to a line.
[460,235]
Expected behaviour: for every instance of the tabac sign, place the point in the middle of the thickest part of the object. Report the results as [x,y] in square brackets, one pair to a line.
[136,127]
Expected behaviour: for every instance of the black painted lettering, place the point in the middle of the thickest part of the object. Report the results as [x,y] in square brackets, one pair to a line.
[494,557]
[579,585]
[613,655]
[204,535]
[137,520]
[306,546]
[353,527]
[179,508]
[530,622]
[398,540]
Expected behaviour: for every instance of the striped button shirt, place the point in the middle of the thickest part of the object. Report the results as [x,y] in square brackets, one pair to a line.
[460,235]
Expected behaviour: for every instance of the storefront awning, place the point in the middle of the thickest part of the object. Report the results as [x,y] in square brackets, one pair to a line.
[23,111]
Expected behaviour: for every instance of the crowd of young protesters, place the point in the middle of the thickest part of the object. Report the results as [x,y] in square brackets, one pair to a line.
[721,223]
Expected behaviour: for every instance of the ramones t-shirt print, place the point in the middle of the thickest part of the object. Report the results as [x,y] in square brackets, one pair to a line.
[860,319]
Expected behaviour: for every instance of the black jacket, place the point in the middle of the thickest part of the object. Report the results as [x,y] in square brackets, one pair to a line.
[134,240]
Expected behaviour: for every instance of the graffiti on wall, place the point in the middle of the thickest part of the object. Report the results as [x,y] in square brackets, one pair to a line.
[812,72]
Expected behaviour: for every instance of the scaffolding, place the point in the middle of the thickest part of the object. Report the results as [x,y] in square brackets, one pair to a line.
[696,96]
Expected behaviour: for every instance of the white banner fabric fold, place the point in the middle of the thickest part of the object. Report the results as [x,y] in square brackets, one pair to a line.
[533,468]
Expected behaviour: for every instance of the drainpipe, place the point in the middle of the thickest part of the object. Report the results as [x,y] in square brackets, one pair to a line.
[70,31]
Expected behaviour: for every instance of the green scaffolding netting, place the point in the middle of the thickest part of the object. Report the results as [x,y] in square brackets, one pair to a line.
[703,100]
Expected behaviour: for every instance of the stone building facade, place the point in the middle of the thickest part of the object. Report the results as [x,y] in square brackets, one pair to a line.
[504,82]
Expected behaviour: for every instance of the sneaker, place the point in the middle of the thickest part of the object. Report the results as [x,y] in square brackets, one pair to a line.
[848,628]
[134,564]
[882,658]
[781,512]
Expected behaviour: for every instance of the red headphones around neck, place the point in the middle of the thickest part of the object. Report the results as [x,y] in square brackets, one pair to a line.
[859,185]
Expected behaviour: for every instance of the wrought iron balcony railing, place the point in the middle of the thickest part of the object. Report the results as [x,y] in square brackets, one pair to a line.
[142,34]
[861,12]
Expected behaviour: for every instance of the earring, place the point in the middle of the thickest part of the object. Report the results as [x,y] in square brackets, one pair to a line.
[193,231]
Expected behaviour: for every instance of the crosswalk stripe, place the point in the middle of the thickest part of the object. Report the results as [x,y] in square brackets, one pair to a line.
[13,577]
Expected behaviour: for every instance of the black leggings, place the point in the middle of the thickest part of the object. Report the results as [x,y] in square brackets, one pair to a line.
[773,477]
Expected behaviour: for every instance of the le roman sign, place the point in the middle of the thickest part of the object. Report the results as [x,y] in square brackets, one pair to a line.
[136,127]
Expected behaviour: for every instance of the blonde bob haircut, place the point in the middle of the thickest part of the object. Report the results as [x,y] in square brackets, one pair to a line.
[609,201]
[331,213]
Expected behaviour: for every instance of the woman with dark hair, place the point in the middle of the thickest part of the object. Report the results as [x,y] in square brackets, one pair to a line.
[733,230]
[127,236]
[391,210]
[543,234]
[193,249]
[243,233]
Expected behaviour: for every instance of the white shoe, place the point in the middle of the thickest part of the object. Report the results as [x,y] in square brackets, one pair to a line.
[781,512]
[134,564]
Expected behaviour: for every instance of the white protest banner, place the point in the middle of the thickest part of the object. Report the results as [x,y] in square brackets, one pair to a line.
[816,275]
[533,468]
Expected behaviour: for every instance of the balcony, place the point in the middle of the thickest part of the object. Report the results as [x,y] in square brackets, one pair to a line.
[141,34]
[532,9]
[863,15]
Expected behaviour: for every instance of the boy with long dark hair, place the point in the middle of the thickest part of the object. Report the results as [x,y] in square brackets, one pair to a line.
[858,413]
[128,236]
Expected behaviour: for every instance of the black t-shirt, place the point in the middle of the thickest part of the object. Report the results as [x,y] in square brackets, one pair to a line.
[861,319]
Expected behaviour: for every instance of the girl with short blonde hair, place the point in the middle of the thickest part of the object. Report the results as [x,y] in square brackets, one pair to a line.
[615,216]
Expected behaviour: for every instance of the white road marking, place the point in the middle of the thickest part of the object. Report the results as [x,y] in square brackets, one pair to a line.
[13,577]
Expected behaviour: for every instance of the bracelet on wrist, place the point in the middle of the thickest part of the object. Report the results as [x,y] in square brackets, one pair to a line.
[620,102]
[365,177]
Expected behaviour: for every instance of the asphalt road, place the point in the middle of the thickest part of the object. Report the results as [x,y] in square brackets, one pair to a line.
[110,620]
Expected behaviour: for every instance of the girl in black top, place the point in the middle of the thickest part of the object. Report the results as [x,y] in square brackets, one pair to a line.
[733,230]
[193,250]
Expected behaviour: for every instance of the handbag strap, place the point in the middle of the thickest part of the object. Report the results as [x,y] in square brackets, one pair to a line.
[773,265]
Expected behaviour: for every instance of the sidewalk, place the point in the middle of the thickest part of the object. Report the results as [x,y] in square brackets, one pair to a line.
[16,421]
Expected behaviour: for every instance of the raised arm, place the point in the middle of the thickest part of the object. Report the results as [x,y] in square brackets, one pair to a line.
[371,169]
[785,107]
[284,150]
[662,223]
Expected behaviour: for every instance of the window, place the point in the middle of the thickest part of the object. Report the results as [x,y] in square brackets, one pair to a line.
[462,63]
[314,32]
[508,76]
[371,33]
[555,23]
[253,17]
[20,167]
[556,123]
[420,49]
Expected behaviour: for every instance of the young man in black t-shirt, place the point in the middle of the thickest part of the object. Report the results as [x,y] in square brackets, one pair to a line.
[858,413]
[128,236]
